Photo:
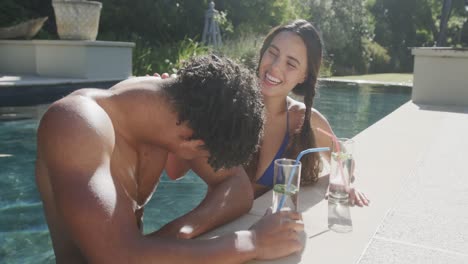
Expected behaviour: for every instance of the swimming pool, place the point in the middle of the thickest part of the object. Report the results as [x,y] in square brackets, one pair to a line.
[24,235]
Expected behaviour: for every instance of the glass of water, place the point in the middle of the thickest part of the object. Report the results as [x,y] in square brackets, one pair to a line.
[341,171]
[286,180]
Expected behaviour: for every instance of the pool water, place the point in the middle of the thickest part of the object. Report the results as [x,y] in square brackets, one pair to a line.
[24,234]
[351,108]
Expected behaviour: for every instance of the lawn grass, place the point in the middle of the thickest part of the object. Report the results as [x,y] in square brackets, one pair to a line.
[406,78]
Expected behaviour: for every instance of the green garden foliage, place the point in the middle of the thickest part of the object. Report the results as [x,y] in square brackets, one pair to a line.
[346,30]
[258,15]
[396,29]
[164,57]
[403,24]
[156,21]
[360,36]
[166,31]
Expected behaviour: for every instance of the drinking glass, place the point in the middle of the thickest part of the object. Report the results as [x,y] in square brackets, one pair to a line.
[286,180]
[341,171]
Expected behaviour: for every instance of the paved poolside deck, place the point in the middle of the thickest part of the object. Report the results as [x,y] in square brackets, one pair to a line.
[412,165]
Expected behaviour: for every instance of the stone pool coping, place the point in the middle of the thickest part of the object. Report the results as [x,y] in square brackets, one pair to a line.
[370,82]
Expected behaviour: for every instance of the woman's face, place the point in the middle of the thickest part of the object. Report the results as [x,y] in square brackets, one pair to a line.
[283,65]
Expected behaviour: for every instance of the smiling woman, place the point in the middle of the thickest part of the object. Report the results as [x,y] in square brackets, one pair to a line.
[290,60]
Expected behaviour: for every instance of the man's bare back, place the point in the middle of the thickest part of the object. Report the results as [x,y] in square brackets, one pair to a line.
[135,171]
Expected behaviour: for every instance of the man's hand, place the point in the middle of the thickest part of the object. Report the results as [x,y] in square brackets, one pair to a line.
[277,235]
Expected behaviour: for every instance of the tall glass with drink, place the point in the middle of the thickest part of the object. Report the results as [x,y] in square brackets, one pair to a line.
[286,180]
[341,171]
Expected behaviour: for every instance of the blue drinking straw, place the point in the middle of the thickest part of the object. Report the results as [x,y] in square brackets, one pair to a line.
[307,151]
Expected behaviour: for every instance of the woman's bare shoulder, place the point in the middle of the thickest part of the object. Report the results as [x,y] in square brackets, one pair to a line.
[295,106]
[296,112]
[298,108]
[316,116]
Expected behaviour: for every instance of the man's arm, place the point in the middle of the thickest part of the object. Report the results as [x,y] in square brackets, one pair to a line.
[229,196]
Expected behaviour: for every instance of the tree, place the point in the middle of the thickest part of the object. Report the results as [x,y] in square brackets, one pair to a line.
[346,29]
[402,24]
[260,15]
[446,9]
[156,21]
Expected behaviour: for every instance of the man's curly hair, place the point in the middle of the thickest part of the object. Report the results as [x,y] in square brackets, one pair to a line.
[222,104]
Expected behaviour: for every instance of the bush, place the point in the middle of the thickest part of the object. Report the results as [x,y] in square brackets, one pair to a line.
[326,69]
[259,15]
[377,57]
[244,48]
[168,57]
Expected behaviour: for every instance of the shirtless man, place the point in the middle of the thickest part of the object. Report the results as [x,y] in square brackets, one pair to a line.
[100,154]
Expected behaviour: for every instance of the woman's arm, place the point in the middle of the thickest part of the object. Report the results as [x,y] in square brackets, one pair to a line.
[176,167]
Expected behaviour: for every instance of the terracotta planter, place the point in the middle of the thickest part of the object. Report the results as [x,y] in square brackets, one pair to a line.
[77,20]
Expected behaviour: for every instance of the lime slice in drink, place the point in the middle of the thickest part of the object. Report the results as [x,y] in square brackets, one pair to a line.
[341,155]
[283,189]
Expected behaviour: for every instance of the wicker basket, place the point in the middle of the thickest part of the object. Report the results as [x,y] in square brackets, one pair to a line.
[77,20]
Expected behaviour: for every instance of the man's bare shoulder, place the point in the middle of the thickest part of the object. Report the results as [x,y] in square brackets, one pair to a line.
[149,82]
[73,130]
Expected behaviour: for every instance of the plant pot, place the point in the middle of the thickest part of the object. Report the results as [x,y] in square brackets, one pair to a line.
[27,29]
[77,20]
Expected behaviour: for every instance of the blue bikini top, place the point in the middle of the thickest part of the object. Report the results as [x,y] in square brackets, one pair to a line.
[267,177]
